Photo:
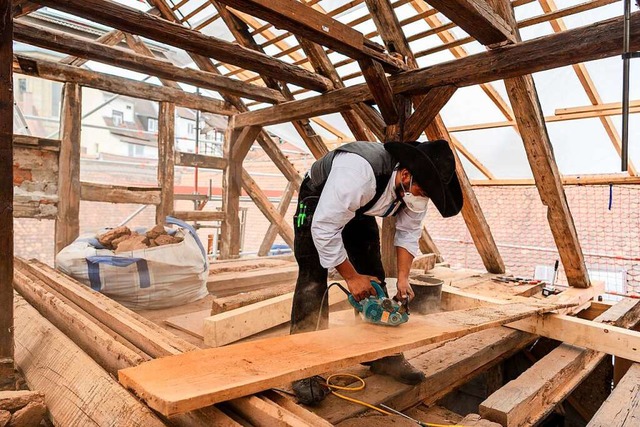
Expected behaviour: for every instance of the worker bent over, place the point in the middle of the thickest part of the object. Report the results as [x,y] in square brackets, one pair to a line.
[335,227]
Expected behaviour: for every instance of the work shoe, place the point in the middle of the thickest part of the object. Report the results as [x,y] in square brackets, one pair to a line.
[311,391]
[397,368]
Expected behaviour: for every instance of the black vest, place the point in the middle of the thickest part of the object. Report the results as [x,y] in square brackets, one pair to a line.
[382,163]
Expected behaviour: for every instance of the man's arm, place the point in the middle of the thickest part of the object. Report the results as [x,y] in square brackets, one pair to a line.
[405,258]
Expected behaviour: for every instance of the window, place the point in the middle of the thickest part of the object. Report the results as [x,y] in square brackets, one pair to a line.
[118,117]
[22,85]
[136,150]
[191,128]
[152,125]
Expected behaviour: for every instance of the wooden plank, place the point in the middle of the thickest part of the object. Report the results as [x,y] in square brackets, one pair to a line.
[166,157]
[233,325]
[181,383]
[296,409]
[6,198]
[131,326]
[318,27]
[63,73]
[220,283]
[191,323]
[137,22]
[67,226]
[529,398]
[220,305]
[446,367]
[94,341]
[199,215]
[622,407]
[200,160]
[266,207]
[236,146]
[89,49]
[428,108]
[428,246]
[478,19]
[80,392]
[261,411]
[94,192]
[272,231]
[583,44]
[380,89]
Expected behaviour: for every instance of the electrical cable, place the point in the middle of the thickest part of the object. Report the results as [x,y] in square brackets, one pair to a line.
[360,387]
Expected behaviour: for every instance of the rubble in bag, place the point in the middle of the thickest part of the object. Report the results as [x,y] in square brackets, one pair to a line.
[122,239]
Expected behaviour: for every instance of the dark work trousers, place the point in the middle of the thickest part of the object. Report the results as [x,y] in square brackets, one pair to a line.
[361,241]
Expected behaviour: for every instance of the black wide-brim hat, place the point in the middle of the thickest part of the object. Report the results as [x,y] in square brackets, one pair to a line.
[433,167]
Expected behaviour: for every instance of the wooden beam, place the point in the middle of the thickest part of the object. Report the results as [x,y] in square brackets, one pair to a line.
[93,192]
[88,49]
[272,231]
[231,302]
[82,393]
[67,226]
[64,73]
[622,408]
[111,38]
[535,393]
[130,325]
[6,198]
[236,146]
[380,89]
[166,159]
[267,208]
[232,282]
[199,215]
[305,21]
[537,145]
[169,385]
[478,18]
[93,340]
[131,20]
[595,41]
[606,179]
[428,108]
[30,141]
[428,246]
[200,160]
[23,7]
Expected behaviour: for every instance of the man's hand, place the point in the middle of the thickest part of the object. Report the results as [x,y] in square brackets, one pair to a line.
[404,290]
[360,286]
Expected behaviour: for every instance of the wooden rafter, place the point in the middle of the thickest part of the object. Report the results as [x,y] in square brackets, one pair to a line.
[81,47]
[147,25]
[114,84]
[477,18]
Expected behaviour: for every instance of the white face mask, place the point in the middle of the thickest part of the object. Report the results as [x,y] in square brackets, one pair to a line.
[414,203]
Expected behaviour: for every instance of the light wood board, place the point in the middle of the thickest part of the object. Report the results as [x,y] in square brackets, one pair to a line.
[177,384]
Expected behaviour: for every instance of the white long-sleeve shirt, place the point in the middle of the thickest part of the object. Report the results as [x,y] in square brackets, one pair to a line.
[350,185]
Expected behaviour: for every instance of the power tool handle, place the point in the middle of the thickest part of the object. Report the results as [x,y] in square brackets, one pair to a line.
[355,303]
[378,288]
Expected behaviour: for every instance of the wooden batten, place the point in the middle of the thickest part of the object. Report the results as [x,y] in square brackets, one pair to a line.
[166,169]
[6,197]
[478,18]
[613,179]
[64,73]
[428,108]
[94,192]
[582,44]
[199,215]
[144,24]
[68,218]
[316,26]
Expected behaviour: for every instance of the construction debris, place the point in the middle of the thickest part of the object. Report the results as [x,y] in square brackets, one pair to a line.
[122,239]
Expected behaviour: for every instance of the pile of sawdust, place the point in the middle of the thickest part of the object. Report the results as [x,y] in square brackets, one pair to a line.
[122,239]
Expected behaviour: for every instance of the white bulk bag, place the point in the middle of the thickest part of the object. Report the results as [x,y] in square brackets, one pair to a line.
[158,277]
